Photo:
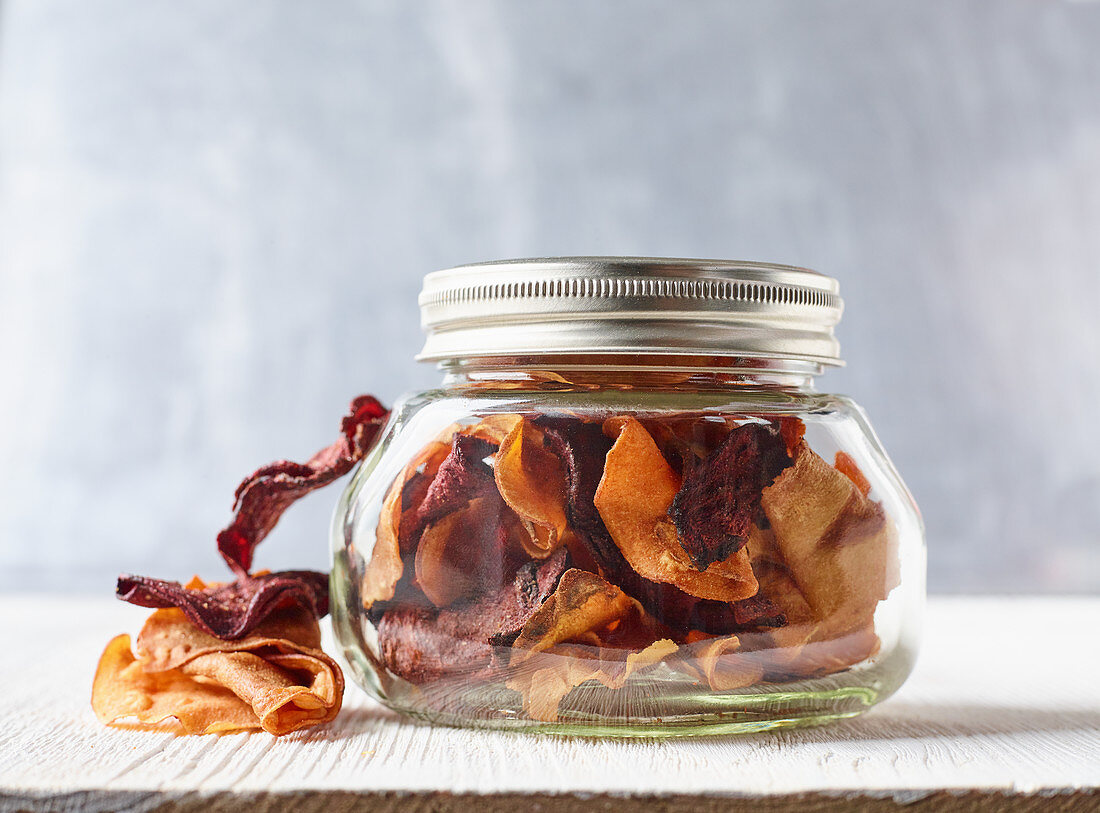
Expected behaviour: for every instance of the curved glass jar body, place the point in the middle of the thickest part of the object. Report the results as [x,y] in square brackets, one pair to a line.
[606,549]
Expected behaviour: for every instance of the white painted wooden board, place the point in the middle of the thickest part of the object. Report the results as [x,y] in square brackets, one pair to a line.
[1005,700]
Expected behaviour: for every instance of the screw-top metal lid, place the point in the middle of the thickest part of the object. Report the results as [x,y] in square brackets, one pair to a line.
[630,305]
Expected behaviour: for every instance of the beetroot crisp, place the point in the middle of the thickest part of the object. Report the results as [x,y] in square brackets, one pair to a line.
[261,499]
[463,476]
[233,610]
[720,498]
[422,644]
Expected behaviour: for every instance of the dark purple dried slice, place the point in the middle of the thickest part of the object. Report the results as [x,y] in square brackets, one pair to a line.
[719,618]
[263,497]
[719,501]
[230,611]
[583,447]
[463,476]
[421,644]
[534,582]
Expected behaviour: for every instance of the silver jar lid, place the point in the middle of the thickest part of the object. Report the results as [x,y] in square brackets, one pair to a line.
[630,305]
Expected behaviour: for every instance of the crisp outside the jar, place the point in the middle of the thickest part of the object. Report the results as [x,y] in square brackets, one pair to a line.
[540,553]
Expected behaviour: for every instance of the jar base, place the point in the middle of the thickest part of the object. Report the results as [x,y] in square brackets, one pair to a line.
[798,710]
[644,711]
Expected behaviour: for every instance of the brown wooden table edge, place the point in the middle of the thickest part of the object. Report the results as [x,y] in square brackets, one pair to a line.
[324,801]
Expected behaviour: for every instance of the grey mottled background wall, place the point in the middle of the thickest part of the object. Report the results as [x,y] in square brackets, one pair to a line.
[214,218]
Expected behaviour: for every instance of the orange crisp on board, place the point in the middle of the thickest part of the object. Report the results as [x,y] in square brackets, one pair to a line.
[276,678]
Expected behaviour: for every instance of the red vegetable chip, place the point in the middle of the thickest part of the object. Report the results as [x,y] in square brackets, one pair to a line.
[462,476]
[467,553]
[262,498]
[422,644]
[720,498]
[231,611]
[719,618]
[534,582]
[583,448]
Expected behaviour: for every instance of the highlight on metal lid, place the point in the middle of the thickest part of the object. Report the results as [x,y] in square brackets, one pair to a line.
[563,306]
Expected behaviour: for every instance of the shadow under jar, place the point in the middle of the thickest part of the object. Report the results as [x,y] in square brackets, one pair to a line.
[626,510]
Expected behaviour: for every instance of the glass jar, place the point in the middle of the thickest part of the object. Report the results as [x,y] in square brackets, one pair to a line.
[627,511]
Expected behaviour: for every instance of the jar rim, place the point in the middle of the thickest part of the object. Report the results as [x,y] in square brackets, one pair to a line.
[628,306]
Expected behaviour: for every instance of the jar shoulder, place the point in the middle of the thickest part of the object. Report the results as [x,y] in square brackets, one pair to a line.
[733,399]
[833,422]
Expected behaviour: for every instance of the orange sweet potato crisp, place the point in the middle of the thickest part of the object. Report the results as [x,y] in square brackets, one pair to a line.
[634,498]
[531,479]
[838,546]
[276,678]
